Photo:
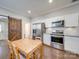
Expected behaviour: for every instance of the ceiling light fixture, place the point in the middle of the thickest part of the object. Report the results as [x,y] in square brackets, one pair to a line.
[50,1]
[29,11]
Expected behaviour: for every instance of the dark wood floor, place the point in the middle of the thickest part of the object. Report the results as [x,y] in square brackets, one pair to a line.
[51,53]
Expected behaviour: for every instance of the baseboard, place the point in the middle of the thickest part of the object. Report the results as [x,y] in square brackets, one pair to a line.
[53,47]
[46,45]
[69,52]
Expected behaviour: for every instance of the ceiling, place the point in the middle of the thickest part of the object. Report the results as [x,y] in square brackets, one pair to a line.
[37,7]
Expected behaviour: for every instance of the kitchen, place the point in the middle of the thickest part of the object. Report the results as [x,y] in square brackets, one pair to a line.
[64,28]
[53,28]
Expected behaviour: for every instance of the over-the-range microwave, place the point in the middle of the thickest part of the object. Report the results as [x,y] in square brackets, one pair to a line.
[59,23]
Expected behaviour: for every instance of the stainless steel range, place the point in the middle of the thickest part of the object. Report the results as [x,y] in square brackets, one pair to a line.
[57,40]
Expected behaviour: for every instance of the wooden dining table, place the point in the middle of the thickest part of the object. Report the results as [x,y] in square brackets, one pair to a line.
[28,47]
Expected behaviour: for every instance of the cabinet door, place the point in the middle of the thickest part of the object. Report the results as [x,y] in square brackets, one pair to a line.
[48,23]
[71,20]
[60,18]
[71,44]
[47,39]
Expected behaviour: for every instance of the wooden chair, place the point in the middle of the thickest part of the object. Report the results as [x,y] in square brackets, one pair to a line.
[36,54]
[15,54]
[13,51]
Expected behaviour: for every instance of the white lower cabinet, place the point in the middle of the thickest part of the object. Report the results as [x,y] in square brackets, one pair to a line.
[47,39]
[71,44]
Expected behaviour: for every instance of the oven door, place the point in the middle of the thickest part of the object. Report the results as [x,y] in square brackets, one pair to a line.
[57,42]
[57,39]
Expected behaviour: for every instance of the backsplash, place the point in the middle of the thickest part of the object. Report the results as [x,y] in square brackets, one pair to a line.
[50,30]
[72,31]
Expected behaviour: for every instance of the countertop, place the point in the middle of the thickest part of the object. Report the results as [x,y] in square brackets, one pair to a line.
[62,35]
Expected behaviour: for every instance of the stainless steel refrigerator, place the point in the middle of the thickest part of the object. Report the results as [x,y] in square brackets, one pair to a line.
[37,30]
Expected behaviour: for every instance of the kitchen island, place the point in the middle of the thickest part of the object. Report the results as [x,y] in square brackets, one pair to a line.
[29,48]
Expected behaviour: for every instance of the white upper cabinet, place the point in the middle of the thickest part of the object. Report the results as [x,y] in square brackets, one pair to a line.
[71,20]
[61,18]
[48,23]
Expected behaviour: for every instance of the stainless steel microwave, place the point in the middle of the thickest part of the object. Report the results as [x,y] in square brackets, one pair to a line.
[58,23]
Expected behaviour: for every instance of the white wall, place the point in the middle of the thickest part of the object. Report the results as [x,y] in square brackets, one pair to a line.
[25,20]
[26,28]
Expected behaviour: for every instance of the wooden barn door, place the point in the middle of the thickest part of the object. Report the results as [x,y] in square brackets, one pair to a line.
[14,29]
